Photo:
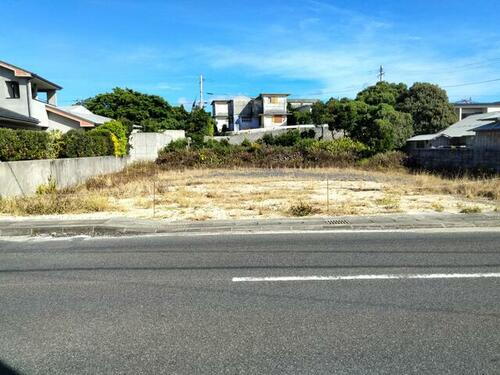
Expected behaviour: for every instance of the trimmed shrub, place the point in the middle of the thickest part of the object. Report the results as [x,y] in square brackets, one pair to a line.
[25,145]
[78,144]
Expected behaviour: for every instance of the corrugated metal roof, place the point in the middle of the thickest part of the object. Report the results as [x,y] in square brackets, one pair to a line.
[464,128]
[423,137]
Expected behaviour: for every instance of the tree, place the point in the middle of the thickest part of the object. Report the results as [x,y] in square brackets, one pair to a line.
[429,107]
[383,93]
[199,124]
[131,105]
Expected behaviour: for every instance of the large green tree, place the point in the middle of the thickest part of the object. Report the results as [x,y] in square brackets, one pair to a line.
[383,93]
[131,105]
[429,107]
[380,127]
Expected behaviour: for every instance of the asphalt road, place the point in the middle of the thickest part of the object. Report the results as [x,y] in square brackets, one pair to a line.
[170,305]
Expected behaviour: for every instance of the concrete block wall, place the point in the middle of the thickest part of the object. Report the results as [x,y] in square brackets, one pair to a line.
[459,158]
[145,146]
[19,178]
[321,132]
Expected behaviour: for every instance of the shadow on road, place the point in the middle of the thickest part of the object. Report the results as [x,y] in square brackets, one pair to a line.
[6,370]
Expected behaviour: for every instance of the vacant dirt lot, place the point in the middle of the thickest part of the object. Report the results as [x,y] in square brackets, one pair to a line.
[233,194]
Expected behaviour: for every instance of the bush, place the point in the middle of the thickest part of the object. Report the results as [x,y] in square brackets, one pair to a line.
[387,160]
[179,144]
[302,209]
[306,153]
[120,132]
[25,145]
[78,144]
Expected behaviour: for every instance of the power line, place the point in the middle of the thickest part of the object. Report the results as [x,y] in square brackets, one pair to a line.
[471,83]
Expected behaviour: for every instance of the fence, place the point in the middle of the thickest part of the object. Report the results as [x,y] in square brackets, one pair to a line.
[456,159]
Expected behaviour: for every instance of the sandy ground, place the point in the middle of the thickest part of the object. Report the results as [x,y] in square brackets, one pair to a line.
[249,194]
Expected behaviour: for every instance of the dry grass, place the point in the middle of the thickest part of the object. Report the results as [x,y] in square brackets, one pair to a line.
[245,193]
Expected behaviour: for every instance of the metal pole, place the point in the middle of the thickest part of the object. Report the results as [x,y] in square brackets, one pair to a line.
[202,104]
[327,195]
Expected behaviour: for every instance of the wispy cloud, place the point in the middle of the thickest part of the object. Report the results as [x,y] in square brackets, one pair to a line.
[343,66]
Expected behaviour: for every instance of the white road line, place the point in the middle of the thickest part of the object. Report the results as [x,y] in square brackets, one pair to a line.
[371,277]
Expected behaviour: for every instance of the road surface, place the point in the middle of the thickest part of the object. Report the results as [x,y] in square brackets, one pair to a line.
[316,303]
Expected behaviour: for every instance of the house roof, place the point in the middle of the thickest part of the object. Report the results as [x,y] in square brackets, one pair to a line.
[81,111]
[13,116]
[302,100]
[492,127]
[270,94]
[492,104]
[19,72]
[423,137]
[464,128]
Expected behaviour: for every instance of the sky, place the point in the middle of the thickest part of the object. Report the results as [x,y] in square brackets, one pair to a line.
[307,48]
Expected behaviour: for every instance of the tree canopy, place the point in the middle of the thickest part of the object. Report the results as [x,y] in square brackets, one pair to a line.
[152,112]
[429,107]
[131,105]
[383,93]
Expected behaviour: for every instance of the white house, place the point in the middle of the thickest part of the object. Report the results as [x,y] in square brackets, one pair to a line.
[468,108]
[29,101]
[242,112]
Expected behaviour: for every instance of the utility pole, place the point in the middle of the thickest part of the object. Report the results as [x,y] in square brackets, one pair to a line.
[381,74]
[202,102]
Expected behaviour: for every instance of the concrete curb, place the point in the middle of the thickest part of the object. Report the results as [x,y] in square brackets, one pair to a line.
[127,226]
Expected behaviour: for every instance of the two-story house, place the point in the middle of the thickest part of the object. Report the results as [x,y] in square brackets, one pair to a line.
[29,101]
[468,108]
[242,112]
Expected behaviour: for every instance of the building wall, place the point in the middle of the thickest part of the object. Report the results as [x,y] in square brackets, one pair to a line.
[24,177]
[273,121]
[221,122]
[488,141]
[18,105]
[278,106]
[463,112]
[58,122]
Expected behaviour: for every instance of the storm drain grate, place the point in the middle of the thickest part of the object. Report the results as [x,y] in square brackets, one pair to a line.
[337,222]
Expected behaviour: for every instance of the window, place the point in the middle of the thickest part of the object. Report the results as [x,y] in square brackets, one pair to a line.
[278,119]
[275,100]
[13,89]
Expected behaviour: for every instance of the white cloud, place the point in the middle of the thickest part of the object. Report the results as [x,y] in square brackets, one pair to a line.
[342,65]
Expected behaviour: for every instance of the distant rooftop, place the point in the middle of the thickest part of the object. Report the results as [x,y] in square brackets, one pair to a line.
[464,128]
[476,104]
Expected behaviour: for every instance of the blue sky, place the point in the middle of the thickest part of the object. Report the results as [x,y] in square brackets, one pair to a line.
[308,48]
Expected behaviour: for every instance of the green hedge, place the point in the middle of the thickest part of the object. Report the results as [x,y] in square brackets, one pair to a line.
[110,138]
[25,145]
[78,144]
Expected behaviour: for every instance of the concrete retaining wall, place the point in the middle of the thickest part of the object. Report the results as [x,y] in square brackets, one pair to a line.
[145,146]
[23,177]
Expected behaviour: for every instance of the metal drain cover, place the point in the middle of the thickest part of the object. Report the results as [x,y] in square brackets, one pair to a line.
[337,222]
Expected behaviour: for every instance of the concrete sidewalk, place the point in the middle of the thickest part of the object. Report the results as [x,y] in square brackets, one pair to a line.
[128,226]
